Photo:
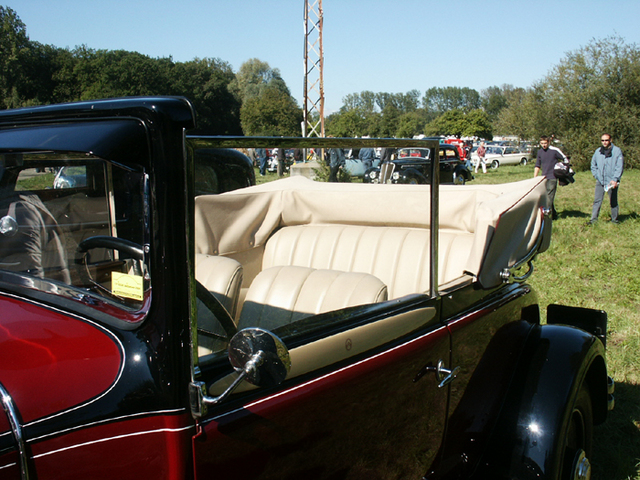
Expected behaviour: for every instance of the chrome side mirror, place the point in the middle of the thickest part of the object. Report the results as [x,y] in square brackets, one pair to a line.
[260,358]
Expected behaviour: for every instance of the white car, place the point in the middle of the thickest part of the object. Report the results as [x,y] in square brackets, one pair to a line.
[497,155]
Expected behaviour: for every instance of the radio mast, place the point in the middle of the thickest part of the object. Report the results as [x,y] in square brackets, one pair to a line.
[313,124]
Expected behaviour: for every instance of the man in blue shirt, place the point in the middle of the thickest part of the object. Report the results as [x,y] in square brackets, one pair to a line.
[607,165]
[546,160]
[367,155]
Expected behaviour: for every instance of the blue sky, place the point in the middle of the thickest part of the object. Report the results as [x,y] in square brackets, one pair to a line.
[379,45]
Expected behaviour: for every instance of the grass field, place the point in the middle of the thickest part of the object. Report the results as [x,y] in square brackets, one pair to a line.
[596,267]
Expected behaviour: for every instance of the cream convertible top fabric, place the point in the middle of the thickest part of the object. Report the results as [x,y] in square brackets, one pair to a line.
[504,219]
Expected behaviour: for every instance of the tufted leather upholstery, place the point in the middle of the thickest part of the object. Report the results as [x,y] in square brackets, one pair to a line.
[397,256]
[285,294]
[222,276]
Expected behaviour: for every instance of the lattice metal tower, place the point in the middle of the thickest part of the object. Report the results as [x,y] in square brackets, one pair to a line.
[313,125]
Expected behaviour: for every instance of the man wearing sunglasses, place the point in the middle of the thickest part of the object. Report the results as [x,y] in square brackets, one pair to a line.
[606,167]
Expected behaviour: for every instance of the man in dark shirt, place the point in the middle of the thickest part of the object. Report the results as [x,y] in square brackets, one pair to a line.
[547,159]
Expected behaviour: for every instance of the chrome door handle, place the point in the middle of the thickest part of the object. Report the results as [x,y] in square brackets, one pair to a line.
[444,375]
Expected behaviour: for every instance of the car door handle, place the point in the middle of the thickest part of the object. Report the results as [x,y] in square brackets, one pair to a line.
[444,376]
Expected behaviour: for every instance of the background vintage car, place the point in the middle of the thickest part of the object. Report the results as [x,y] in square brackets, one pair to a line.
[497,155]
[286,330]
[219,170]
[413,166]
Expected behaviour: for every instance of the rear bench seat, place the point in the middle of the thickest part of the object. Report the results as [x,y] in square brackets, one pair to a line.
[398,256]
[295,223]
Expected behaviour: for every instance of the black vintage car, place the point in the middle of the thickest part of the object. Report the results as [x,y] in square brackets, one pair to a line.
[219,170]
[413,166]
[294,329]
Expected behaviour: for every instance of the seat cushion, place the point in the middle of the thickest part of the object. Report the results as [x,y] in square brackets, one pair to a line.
[222,276]
[284,294]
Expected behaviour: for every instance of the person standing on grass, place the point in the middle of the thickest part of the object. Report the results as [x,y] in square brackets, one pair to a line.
[607,165]
[261,159]
[481,158]
[336,162]
[545,161]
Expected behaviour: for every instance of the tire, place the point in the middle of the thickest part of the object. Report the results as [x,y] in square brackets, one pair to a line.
[495,164]
[576,448]
[523,161]
[413,181]
[459,180]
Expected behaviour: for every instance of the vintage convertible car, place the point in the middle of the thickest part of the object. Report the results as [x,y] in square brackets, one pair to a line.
[413,166]
[289,330]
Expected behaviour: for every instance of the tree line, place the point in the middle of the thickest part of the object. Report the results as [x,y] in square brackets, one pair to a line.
[593,90]
[253,101]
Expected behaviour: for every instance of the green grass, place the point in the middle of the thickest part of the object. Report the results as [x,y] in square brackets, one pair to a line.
[596,267]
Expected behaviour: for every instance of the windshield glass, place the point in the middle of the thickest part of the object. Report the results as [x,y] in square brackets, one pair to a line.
[75,225]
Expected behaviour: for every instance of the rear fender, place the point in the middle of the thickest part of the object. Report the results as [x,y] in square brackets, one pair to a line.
[555,363]
[409,173]
[464,171]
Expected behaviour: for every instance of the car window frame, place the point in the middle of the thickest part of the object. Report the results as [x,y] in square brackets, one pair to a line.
[220,366]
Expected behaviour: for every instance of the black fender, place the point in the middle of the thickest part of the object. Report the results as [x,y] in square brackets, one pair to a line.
[410,173]
[464,171]
[366,178]
[527,439]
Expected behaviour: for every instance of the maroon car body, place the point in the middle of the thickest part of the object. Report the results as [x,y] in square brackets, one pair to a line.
[114,345]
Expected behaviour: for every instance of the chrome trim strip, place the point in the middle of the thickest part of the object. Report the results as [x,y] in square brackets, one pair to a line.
[14,419]
[322,377]
[108,420]
[117,437]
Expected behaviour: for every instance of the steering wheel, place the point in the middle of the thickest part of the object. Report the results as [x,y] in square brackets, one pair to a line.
[128,248]
[221,314]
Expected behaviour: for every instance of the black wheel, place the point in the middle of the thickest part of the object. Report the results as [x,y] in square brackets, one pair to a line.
[577,446]
[413,181]
[459,179]
[523,161]
[495,164]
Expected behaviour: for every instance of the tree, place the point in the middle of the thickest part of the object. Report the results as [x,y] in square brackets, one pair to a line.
[411,124]
[364,102]
[350,123]
[254,76]
[206,83]
[272,113]
[119,73]
[440,100]
[591,91]
[14,45]
[460,124]
[524,116]
[495,99]
[401,102]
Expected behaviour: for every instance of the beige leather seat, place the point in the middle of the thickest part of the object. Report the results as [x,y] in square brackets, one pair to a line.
[222,276]
[399,257]
[284,294]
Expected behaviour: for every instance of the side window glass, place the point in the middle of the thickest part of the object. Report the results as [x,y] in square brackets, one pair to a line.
[75,221]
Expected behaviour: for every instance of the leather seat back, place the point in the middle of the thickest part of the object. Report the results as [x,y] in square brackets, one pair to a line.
[222,276]
[285,294]
[398,256]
